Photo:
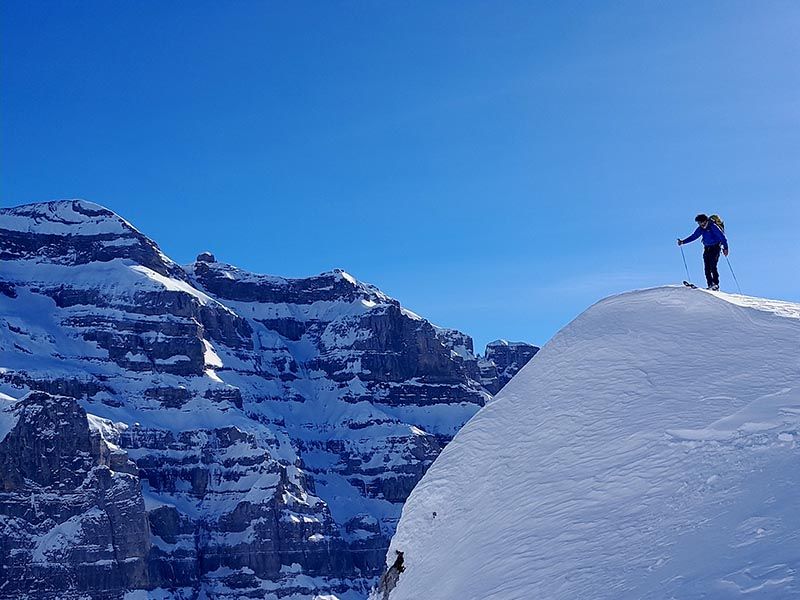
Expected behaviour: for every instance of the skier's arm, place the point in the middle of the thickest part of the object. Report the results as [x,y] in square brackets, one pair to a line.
[722,235]
[694,236]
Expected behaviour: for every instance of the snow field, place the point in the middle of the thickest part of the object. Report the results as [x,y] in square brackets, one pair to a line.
[650,451]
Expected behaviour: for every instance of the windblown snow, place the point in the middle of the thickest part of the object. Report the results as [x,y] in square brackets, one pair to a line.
[651,451]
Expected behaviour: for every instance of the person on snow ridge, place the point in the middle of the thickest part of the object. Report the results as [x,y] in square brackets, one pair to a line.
[713,240]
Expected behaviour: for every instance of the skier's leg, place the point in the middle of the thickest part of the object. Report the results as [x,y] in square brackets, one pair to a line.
[707,254]
[714,261]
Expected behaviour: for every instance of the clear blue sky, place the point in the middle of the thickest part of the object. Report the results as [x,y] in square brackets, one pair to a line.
[496,166]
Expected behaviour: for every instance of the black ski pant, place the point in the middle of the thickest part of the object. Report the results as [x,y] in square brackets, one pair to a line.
[710,260]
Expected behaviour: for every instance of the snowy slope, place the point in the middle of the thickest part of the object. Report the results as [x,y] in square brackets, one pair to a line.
[650,451]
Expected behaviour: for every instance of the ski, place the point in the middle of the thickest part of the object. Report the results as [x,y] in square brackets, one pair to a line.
[690,285]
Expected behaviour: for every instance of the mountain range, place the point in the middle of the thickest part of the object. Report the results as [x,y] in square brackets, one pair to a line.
[192,431]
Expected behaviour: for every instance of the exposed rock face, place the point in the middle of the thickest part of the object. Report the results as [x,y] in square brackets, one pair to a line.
[69,522]
[247,435]
[502,361]
[206,257]
[75,232]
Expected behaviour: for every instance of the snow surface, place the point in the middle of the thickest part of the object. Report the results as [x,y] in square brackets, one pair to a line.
[54,543]
[497,343]
[8,417]
[64,217]
[650,451]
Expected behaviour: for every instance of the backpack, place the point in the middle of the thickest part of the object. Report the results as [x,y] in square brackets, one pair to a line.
[719,222]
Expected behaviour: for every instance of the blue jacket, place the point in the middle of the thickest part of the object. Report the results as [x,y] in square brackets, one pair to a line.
[711,235]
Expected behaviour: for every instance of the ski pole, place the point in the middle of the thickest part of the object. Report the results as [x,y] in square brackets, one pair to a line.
[734,275]
[685,266]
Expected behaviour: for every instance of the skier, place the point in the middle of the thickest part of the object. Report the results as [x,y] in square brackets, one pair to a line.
[713,240]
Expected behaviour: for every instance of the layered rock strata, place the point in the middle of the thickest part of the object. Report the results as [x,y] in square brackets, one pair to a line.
[201,431]
[503,360]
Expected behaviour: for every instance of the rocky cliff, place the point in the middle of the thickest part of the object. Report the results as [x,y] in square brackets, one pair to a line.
[502,361]
[197,431]
[73,515]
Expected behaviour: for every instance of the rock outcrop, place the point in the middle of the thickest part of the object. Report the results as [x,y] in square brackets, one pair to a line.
[72,515]
[502,361]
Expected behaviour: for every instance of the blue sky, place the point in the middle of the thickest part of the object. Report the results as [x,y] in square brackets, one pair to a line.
[496,166]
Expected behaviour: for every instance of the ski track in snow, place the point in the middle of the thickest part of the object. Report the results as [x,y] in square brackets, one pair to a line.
[650,451]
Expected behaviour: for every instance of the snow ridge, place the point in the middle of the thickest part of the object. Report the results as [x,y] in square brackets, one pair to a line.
[64,217]
[650,451]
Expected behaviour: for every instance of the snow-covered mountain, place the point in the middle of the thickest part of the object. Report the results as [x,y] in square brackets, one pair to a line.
[652,450]
[202,431]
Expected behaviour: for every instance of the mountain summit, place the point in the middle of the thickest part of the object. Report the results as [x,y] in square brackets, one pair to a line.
[650,451]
